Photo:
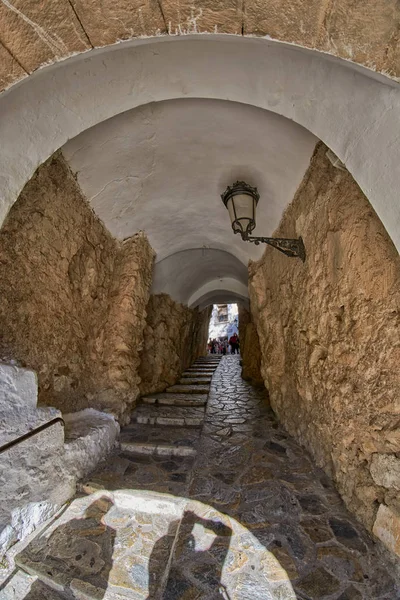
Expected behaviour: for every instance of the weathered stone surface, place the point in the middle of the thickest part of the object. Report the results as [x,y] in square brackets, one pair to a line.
[387,528]
[33,484]
[223,16]
[169,415]
[73,300]
[329,332]
[297,22]
[174,337]
[18,386]
[89,436]
[188,389]
[171,399]
[385,470]
[345,21]
[160,441]
[122,337]
[249,348]
[108,22]
[40,33]
[318,584]
[10,70]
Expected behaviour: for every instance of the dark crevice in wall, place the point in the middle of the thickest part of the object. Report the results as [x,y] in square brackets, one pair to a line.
[80,22]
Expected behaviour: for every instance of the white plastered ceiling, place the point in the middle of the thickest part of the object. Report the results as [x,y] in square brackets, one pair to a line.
[161,168]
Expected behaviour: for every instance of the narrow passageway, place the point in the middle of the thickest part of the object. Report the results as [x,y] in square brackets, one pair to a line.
[249,468]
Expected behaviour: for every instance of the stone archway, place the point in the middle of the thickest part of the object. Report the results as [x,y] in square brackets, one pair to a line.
[353,111]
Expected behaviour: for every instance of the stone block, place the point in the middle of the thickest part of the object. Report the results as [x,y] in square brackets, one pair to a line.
[90,436]
[40,32]
[385,470]
[17,386]
[33,484]
[345,27]
[387,528]
[10,70]
[108,22]
[292,21]
[222,16]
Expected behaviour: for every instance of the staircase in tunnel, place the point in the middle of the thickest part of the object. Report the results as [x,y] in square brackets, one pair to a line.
[169,423]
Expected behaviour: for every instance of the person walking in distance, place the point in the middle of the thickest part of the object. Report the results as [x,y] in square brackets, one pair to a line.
[234,342]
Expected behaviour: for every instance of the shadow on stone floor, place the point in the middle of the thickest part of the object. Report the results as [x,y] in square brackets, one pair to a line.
[77,557]
[190,567]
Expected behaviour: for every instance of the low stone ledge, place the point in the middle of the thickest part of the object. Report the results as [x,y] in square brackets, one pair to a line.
[89,436]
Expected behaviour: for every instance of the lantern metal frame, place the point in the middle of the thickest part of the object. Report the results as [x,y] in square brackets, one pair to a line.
[291,247]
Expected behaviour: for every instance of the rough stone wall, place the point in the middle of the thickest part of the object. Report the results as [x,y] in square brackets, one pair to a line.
[72,299]
[122,337]
[329,335]
[174,337]
[249,348]
[33,34]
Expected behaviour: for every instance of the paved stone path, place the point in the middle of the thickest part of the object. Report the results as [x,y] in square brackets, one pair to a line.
[271,502]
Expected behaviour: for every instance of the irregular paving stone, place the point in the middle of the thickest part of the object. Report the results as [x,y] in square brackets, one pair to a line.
[346,534]
[341,563]
[285,561]
[311,504]
[319,584]
[317,531]
[350,594]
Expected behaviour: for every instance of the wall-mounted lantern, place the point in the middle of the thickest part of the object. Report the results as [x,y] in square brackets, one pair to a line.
[241,201]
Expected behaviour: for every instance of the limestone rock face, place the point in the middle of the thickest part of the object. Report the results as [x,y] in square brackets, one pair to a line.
[73,299]
[249,348]
[385,470]
[329,336]
[174,337]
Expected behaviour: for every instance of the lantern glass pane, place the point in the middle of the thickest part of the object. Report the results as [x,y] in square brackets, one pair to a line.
[241,211]
[231,211]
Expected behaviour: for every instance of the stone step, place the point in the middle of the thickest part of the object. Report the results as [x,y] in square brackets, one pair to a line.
[205,370]
[207,362]
[150,414]
[197,375]
[160,441]
[188,389]
[195,380]
[176,399]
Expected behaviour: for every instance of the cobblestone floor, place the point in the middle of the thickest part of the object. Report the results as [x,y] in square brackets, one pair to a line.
[249,468]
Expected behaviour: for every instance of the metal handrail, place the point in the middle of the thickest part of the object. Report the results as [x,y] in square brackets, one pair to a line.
[31,433]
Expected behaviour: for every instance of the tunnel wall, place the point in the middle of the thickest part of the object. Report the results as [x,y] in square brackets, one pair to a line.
[174,337]
[329,337]
[249,348]
[72,299]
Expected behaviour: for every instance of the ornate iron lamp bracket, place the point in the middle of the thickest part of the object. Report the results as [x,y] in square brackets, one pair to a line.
[290,247]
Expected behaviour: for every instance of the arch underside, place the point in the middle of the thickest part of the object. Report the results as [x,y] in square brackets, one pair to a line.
[145,159]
